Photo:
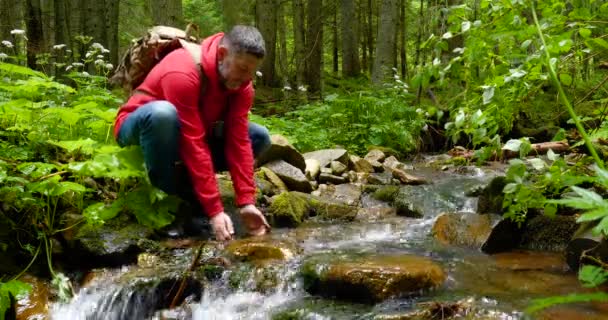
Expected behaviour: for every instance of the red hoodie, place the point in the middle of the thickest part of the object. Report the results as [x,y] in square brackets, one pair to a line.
[176,80]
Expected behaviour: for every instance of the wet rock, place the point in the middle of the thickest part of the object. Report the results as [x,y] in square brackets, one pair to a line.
[326,170]
[293,177]
[337,167]
[348,194]
[505,236]
[360,165]
[328,155]
[584,241]
[372,278]
[115,243]
[379,178]
[375,213]
[147,260]
[313,167]
[375,155]
[464,229]
[261,250]
[474,191]
[434,310]
[281,149]
[386,193]
[544,233]
[352,176]
[407,178]
[34,305]
[377,165]
[264,186]
[490,200]
[330,178]
[274,179]
[530,260]
[407,204]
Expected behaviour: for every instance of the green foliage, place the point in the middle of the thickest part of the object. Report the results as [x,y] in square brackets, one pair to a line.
[206,14]
[539,304]
[14,288]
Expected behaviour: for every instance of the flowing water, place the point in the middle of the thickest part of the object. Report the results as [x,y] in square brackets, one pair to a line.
[496,291]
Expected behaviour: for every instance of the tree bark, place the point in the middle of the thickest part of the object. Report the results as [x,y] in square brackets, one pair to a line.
[314,46]
[282,44]
[33,22]
[362,35]
[385,48]
[299,44]
[403,40]
[167,13]
[370,33]
[11,12]
[111,23]
[335,46]
[350,42]
[266,17]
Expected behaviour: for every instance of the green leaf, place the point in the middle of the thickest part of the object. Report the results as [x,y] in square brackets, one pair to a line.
[510,188]
[592,276]
[550,210]
[512,145]
[13,288]
[539,304]
[565,79]
[591,196]
[585,33]
[537,163]
[560,135]
[592,215]
[552,155]
[600,42]
[100,212]
[138,201]
[526,44]
[488,94]
[15,69]
[602,227]
[86,145]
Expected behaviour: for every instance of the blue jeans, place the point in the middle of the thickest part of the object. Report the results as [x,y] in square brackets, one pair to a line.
[155,127]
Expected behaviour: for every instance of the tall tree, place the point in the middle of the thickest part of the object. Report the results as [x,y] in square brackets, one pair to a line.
[266,18]
[12,18]
[335,39]
[385,47]
[314,45]
[33,23]
[112,11]
[403,39]
[299,42]
[167,13]
[282,42]
[350,42]
[237,12]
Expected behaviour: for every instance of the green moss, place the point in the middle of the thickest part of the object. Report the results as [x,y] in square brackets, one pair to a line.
[288,210]
[386,193]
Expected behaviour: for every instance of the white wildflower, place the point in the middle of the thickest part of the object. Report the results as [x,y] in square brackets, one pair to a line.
[398,81]
[68,68]
[86,74]
[394,69]
[78,64]
[419,111]
[302,88]
[18,32]
[287,88]
[59,46]
[7,44]
[458,50]
[89,54]
[104,50]
[109,66]
[100,56]
[99,62]
[97,46]
[3,56]
[258,73]
[436,62]
[396,77]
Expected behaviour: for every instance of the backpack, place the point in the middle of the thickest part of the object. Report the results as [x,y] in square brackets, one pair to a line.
[145,52]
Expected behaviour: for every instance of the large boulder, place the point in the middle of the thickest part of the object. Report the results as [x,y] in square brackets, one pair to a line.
[281,149]
[348,194]
[544,233]
[409,202]
[491,197]
[326,156]
[293,177]
[371,278]
[360,165]
[290,209]
[274,179]
[464,229]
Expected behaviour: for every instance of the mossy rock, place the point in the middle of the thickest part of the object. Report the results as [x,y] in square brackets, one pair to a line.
[544,233]
[408,203]
[491,197]
[387,151]
[386,193]
[262,249]
[288,210]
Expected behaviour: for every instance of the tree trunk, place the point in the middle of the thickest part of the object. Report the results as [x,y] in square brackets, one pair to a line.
[361,35]
[111,23]
[419,36]
[403,40]
[12,18]
[266,17]
[167,13]
[282,44]
[370,33]
[314,46]
[350,42]
[33,22]
[385,48]
[335,53]
[299,44]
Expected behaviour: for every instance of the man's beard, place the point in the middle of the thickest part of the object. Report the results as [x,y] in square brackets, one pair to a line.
[228,85]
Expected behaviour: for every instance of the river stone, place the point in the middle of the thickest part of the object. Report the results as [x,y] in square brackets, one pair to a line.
[281,149]
[372,278]
[330,178]
[313,167]
[505,236]
[386,193]
[274,179]
[261,250]
[346,193]
[264,186]
[408,202]
[464,229]
[117,242]
[375,213]
[337,167]
[531,260]
[407,178]
[360,165]
[293,177]
[33,305]
[288,210]
[375,155]
[544,233]
[490,200]
[326,156]
[392,163]
[379,178]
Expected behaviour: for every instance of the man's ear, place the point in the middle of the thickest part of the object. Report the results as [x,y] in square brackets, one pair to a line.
[222,52]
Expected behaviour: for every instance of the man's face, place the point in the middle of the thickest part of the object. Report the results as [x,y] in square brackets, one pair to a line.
[235,69]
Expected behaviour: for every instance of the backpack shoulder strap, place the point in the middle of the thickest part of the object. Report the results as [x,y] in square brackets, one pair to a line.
[195,52]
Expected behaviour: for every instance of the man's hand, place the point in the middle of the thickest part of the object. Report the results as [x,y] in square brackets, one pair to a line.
[222,227]
[254,220]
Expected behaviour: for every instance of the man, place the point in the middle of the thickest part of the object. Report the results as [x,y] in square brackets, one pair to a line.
[165,118]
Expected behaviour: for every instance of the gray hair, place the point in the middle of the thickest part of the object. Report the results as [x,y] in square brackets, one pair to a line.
[245,39]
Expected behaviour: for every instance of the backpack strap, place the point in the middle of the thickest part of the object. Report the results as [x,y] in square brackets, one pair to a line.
[195,52]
